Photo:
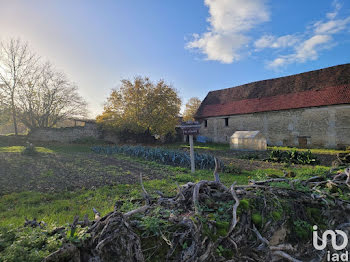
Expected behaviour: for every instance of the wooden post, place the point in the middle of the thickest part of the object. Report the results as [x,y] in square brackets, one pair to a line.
[191,128]
[192,154]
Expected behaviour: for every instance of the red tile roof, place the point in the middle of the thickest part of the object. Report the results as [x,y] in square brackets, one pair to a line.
[326,96]
[329,86]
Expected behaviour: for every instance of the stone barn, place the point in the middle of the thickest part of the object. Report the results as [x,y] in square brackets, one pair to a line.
[311,109]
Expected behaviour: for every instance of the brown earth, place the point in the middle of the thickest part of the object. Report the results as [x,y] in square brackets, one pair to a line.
[57,172]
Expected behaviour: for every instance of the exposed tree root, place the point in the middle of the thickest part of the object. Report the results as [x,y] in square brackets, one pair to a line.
[206,221]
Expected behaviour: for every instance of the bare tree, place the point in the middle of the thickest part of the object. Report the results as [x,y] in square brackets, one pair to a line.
[48,97]
[16,63]
[36,93]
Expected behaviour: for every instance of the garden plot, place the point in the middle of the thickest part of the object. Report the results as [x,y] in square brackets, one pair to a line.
[58,172]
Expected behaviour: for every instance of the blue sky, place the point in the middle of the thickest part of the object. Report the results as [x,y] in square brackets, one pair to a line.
[195,45]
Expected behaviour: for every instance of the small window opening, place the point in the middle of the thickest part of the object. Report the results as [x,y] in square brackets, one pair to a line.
[205,123]
[226,121]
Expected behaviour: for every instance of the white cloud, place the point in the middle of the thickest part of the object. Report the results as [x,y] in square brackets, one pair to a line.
[334,13]
[229,20]
[219,47]
[270,41]
[235,15]
[265,41]
[307,50]
[278,62]
[332,26]
[320,38]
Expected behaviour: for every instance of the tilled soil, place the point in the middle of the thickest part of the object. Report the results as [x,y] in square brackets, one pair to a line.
[59,172]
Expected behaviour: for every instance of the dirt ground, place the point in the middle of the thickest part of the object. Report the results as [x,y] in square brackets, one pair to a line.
[57,172]
[239,159]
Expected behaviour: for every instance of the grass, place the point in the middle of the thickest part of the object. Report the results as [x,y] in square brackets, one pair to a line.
[19,149]
[13,144]
[58,208]
[50,148]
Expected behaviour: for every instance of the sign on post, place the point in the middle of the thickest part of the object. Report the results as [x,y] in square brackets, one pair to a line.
[191,128]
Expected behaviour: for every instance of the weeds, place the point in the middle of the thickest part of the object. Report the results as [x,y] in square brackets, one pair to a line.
[293,157]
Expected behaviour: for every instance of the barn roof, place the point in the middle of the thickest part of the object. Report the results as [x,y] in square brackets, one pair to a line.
[328,86]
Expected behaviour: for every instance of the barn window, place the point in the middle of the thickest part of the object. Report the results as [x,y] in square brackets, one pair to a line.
[226,121]
[205,123]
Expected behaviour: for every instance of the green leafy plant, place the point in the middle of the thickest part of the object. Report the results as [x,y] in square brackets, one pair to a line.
[302,229]
[300,187]
[293,157]
[280,184]
[154,225]
[164,156]
[26,244]
[224,252]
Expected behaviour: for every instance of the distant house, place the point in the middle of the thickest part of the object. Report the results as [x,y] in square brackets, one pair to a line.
[311,109]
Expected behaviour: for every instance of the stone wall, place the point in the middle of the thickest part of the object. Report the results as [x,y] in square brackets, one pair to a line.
[327,127]
[65,134]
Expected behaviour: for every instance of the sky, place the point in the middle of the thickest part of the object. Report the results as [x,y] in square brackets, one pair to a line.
[194,45]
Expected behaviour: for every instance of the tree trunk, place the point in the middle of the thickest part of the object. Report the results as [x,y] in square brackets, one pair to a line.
[13,109]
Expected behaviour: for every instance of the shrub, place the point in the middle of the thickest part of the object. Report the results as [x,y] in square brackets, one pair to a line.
[163,156]
[293,156]
[128,136]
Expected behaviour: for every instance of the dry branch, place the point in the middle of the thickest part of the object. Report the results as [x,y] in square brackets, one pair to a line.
[234,210]
[196,231]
